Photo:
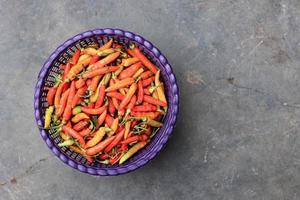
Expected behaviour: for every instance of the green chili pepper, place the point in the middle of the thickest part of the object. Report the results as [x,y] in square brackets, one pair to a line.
[66,143]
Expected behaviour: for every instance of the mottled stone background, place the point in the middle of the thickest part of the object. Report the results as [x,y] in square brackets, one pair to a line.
[237,63]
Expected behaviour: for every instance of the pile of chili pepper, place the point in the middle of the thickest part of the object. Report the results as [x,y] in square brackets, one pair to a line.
[107,103]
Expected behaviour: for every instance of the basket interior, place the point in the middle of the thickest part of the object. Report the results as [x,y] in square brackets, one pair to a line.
[54,71]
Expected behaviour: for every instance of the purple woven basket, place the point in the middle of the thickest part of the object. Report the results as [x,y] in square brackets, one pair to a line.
[46,79]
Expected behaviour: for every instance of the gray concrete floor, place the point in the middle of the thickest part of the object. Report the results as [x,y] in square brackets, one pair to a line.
[237,63]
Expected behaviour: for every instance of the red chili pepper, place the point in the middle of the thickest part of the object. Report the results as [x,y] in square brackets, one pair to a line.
[62,104]
[148,131]
[128,95]
[94,83]
[143,137]
[75,57]
[146,62]
[79,117]
[131,139]
[140,92]
[144,108]
[133,123]
[146,74]
[68,110]
[147,81]
[116,141]
[124,147]
[154,101]
[50,95]
[80,92]
[116,95]
[109,120]
[85,132]
[151,115]
[101,119]
[81,125]
[74,134]
[131,103]
[99,147]
[94,59]
[111,107]
[67,70]
[129,71]
[79,83]
[93,111]
[103,156]
[101,95]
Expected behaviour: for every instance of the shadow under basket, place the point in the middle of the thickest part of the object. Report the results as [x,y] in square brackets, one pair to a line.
[51,69]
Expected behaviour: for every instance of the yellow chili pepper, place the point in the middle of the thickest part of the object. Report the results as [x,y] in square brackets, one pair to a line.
[48,115]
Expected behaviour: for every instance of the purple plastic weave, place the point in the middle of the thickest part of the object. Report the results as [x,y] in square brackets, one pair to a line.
[61,55]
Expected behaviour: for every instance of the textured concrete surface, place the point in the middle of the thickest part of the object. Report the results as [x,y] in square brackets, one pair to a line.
[237,63]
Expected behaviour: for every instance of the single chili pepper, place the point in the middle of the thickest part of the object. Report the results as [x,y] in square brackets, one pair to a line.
[154,101]
[94,59]
[144,108]
[109,120]
[93,111]
[58,95]
[130,71]
[80,92]
[123,83]
[48,115]
[62,104]
[115,102]
[100,146]
[99,71]
[79,117]
[81,125]
[75,57]
[114,126]
[127,129]
[146,75]
[103,156]
[151,115]
[106,45]
[129,95]
[116,141]
[140,95]
[67,70]
[79,83]
[97,138]
[160,92]
[152,122]
[146,62]
[111,107]
[131,103]
[105,61]
[66,143]
[74,134]
[93,86]
[76,110]
[50,95]
[90,51]
[129,140]
[138,73]
[76,150]
[105,52]
[148,81]
[116,95]
[78,68]
[101,119]
[130,52]
[68,110]
[85,132]
[129,61]
[100,98]
[132,151]
[82,57]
